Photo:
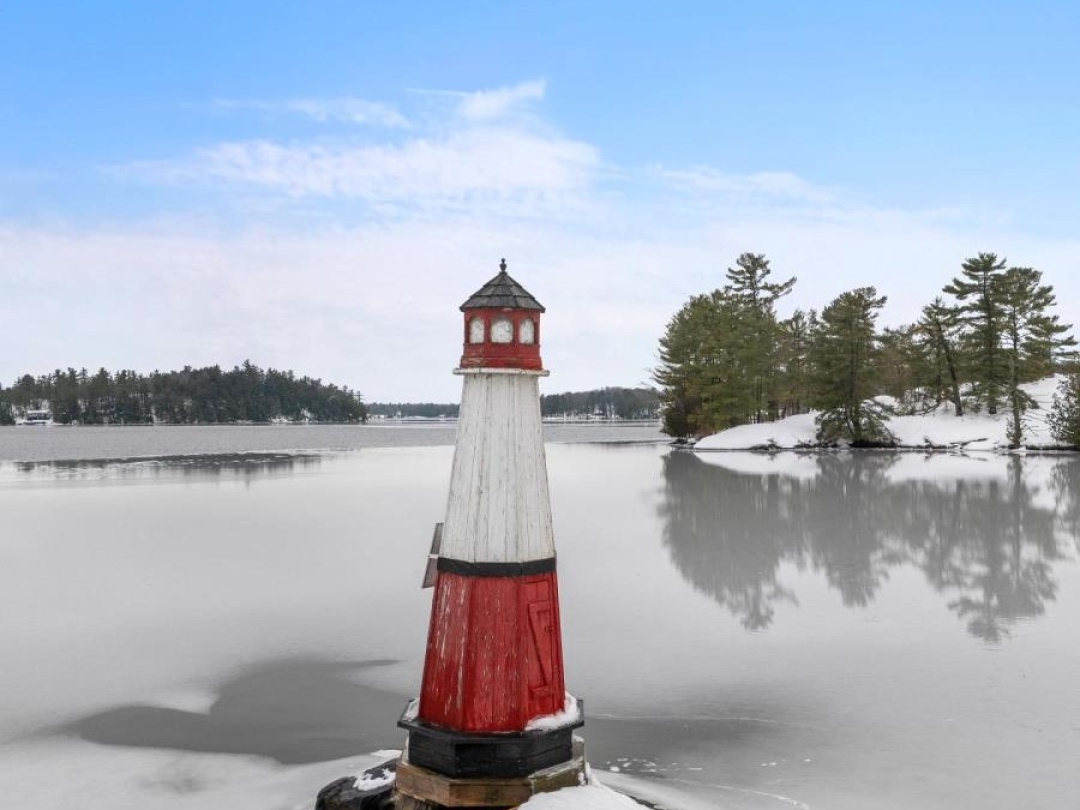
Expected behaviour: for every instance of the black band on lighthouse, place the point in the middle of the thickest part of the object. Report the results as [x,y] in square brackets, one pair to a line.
[496,569]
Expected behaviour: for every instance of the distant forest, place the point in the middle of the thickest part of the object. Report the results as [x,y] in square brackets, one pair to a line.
[247,393]
[605,403]
[192,396]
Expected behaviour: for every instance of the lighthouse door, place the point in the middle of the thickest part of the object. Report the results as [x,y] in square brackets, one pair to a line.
[542,645]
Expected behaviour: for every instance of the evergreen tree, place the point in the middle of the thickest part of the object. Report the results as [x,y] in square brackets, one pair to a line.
[980,311]
[796,337]
[748,284]
[1064,417]
[720,362]
[64,396]
[7,412]
[937,338]
[898,361]
[700,355]
[1033,338]
[845,372]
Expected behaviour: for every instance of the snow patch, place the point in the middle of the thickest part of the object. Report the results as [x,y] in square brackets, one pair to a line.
[795,431]
[375,778]
[940,429]
[569,715]
[586,797]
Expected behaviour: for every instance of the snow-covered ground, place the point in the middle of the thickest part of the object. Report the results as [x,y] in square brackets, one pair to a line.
[586,797]
[939,429]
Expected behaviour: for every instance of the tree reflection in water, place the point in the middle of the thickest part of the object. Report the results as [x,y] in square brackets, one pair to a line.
[984,543]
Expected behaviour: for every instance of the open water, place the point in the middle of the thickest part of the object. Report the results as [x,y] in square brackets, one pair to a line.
[229,617]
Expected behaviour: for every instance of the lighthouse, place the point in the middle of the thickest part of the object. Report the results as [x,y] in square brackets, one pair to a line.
[493,723]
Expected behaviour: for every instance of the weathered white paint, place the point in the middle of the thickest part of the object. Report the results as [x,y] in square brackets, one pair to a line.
[502,330]
[476,330]
[499,509]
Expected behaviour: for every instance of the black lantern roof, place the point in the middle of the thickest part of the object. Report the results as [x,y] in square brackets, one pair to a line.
[502,292]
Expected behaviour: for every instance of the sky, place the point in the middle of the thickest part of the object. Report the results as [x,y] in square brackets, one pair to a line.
[318,186]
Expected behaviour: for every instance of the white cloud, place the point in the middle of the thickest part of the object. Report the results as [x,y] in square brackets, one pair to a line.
[469,166]
[486,105]
[349,110]
[783,185]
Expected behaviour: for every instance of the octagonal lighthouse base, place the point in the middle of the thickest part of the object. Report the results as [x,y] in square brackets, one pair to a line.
[459,754]
[421,788]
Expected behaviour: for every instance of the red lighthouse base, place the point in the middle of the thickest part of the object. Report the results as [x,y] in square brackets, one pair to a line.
[494,654]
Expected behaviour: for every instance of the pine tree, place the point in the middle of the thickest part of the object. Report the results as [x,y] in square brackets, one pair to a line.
[978,289]
[7,413]
[1064,417]
[680,360]
[938,338]
[845,372]
[898,361]
[796,336]
[1033,338]
[706,374]
[748,284]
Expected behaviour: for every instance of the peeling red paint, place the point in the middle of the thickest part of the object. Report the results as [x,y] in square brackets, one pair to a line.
[494,654]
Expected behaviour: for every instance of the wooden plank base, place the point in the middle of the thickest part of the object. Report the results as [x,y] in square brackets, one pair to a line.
[420,789]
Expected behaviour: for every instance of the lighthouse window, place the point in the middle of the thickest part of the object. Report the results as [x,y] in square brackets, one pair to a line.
[502,331]
[476,330]
[526,332]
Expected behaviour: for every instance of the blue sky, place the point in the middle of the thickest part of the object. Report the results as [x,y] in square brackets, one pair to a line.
[318,185]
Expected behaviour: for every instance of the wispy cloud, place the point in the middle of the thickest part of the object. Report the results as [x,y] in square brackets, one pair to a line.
[349,110]
[478,163]
[487,105]
[458,155]
[781,185]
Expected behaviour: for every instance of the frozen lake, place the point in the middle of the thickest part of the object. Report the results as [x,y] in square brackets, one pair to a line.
[230,617]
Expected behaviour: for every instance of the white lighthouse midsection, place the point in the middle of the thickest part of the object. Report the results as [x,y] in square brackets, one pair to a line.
[499,510]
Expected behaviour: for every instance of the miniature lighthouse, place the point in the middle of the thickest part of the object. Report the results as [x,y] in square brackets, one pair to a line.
[493,723]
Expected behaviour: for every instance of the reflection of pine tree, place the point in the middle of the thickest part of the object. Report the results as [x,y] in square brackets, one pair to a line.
[984,544]
[998,555]
[851,544]
[728,533]
[1065,484]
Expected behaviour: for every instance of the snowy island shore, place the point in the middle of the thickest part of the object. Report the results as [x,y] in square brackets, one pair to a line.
[939,430]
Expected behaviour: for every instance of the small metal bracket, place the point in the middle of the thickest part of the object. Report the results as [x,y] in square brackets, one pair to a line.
[433,558]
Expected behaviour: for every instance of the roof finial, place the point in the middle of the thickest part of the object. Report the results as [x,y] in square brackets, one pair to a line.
[502,265]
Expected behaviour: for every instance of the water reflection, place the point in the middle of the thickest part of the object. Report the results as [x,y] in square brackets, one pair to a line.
[988,543]
[243,465]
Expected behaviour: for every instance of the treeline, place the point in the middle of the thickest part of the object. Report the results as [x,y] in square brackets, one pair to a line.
[726,358]
[603,403]
[208,395]
[414,410]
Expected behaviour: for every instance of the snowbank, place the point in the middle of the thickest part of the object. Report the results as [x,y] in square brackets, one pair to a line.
[940,429]
[587,797]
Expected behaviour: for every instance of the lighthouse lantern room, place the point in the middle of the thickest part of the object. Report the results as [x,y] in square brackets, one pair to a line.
[493,703]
